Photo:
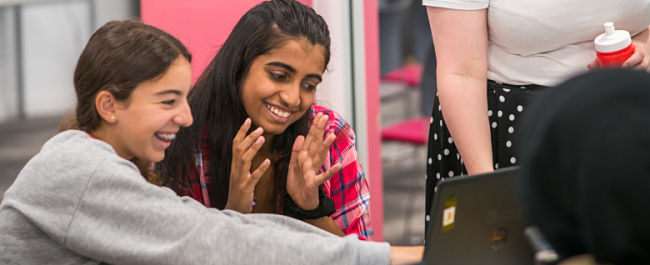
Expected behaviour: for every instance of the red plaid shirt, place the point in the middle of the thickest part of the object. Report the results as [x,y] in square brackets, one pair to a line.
[348,188]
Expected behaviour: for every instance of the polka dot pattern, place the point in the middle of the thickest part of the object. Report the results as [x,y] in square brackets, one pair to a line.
[506,104]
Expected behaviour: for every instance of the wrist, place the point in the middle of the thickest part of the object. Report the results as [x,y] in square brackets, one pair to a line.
[311,205]
[242,208]
[479,166]
[480,170]
[324,207]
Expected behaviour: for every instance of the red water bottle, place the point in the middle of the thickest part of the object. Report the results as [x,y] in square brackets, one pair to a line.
[613,47]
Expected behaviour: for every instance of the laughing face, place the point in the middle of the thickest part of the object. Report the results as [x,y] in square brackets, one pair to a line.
[148,120]
[281,84]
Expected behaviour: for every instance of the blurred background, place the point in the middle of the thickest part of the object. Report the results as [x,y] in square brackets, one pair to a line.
[40,41]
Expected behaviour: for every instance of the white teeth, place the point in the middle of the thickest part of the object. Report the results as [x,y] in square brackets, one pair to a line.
[166,136]
[277,111]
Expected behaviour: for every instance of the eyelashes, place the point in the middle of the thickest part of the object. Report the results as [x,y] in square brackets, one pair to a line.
[306,85]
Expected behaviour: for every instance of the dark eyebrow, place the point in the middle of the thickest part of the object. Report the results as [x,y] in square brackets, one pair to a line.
[168,91]
[283,65]
[293,70]
[317,76]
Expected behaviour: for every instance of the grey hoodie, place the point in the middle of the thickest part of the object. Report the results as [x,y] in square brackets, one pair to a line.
[77,202]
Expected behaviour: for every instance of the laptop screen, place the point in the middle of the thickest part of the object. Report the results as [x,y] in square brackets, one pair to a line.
[478,219]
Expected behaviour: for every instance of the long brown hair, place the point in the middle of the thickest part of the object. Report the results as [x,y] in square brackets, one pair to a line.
[119,56]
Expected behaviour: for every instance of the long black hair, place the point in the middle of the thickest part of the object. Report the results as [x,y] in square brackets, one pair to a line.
[216,103]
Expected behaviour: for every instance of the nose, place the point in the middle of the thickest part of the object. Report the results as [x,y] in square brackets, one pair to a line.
[184,115]
[291,96]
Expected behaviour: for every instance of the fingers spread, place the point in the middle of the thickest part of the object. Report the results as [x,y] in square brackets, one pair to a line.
[298,144]
[259,172]
[329,140]
[321,178]
[313,131]
[250,153]
[305,161]
[295,151]
[242,131]
[249,140]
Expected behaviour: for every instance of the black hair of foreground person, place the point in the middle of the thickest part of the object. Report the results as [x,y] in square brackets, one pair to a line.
[586,166]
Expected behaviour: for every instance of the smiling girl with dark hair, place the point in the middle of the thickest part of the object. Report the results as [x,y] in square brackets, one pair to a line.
[81,200]
[268,69]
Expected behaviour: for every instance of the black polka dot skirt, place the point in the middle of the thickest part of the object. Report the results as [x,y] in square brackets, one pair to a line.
[506,104]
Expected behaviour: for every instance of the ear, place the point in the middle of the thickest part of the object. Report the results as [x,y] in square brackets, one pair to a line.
[106,106]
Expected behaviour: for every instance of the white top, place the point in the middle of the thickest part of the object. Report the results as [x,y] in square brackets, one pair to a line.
[547,41]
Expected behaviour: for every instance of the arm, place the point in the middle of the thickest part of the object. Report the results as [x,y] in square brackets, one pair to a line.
[121,219]
[326,223]
[348,188]
[460,41]
[406,255]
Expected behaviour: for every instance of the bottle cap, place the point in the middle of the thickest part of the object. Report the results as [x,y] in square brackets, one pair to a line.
[612,40]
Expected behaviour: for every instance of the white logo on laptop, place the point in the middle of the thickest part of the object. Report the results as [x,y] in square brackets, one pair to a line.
[448,216]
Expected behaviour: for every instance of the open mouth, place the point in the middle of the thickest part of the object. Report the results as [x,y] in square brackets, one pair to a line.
[277,111]
[165,137]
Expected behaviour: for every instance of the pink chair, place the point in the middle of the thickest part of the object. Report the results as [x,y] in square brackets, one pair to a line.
[409,74]
[414,131]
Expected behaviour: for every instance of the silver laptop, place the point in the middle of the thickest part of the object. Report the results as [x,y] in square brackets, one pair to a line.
[478,220]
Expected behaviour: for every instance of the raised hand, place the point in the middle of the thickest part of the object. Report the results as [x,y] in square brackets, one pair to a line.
[242,182]
[307,156]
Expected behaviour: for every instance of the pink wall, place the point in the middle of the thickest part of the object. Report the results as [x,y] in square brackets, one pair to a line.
[202,25]
[371,32]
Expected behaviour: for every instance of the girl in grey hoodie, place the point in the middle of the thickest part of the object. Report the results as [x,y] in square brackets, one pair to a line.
[81,200]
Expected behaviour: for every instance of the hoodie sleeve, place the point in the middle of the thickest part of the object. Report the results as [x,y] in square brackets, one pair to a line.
[122,219]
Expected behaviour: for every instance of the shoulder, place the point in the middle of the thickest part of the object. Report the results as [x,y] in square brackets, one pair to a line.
[71,149]
[335,122]
[65,166]
[71,155]
[75,147]
[458,4]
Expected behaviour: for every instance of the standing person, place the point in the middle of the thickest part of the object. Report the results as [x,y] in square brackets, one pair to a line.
[81,201]
[268,69]
[493,56]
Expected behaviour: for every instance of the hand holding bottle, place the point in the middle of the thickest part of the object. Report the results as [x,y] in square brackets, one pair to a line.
[615,48]
[641,58]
